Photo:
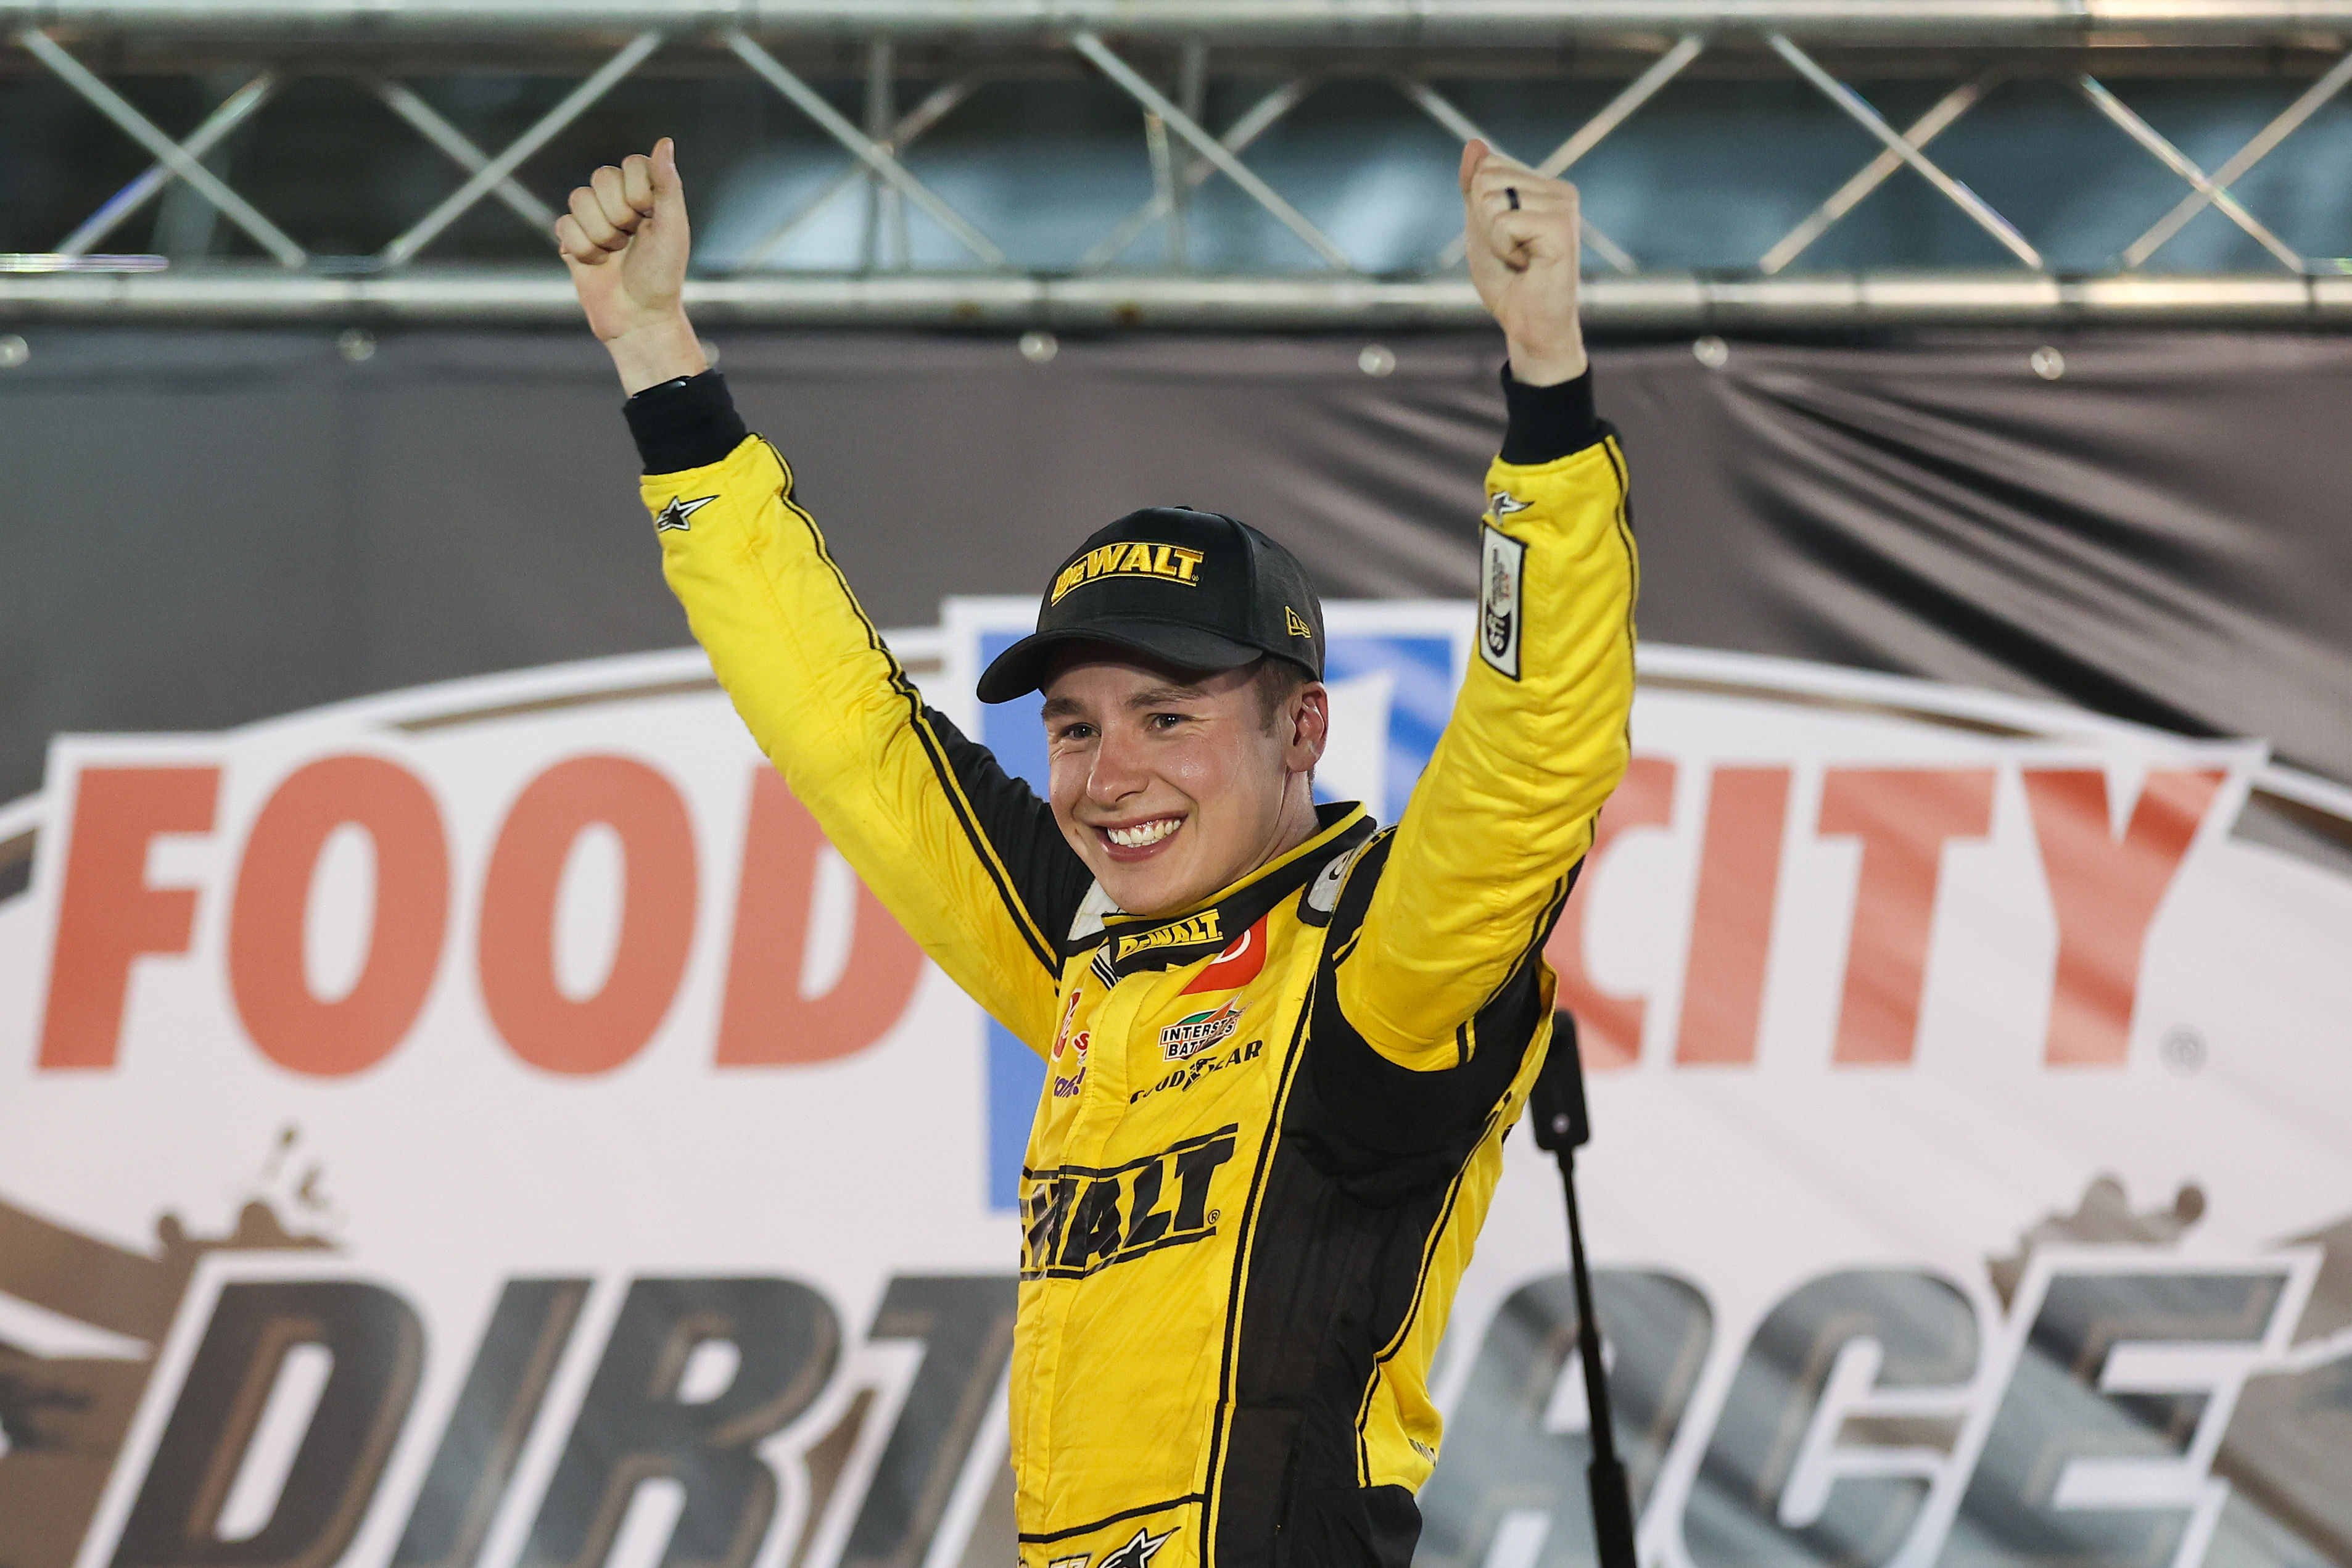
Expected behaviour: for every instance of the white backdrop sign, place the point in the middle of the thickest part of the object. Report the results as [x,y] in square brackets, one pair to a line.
[487,1127]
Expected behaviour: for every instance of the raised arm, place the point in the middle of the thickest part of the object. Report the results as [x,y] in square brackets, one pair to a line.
[967,859]
[1483,858]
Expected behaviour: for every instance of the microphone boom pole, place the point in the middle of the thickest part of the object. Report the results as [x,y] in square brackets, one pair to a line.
[1562,1124]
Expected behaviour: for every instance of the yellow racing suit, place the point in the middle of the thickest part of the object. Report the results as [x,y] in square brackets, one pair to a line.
[1270,1125]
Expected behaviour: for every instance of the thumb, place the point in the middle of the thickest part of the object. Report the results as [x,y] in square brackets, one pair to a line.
[669,191]
[1473,154]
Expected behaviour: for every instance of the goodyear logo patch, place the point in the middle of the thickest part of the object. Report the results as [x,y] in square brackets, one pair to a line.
[1202,927]
[1192,1072]
[1169,562]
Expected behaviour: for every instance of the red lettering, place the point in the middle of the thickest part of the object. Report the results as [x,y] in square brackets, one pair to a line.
[2105,891]
[1609,1027]
[1731,916]
[288,1021]
[517,947]
[108,913]
[1903,817]
[765,1020]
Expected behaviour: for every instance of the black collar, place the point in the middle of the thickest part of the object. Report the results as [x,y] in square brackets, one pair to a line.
[1131,945]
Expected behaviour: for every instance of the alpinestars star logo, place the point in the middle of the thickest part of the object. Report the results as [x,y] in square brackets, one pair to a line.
[674,514]
[1503,503]
[1139,1550]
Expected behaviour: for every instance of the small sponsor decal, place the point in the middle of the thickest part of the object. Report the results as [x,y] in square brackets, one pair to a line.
[1323,893]
[1188,1037]
[1501,570]
[1203,927]
[674,514]
[1235,967]
[1503,503]
[1139,1550]
[1185,1077]
[1080,1561]
[1068,1085]
[1168,563]
[1072,1047]
[1296,624]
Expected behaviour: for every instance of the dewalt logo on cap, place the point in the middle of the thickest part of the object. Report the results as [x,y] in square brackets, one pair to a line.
[1171,563]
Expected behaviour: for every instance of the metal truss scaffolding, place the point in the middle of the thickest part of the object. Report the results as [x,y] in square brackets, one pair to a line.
[1206,86]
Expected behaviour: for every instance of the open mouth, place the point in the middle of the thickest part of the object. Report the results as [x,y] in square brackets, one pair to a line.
[1136,840]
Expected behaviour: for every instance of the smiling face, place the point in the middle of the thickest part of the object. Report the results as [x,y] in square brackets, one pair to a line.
[1170,784]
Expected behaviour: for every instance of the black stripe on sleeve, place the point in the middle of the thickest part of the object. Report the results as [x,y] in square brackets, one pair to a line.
[1048,878]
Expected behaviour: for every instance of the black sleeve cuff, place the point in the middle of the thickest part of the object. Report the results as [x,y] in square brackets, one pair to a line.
[1548,422]
[689,423]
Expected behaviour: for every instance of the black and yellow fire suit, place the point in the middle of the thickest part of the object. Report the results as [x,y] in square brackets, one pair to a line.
[1270,1125]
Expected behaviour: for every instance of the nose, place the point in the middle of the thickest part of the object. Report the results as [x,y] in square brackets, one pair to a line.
[1117,772]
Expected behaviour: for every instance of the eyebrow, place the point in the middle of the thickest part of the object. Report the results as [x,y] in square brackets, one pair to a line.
[1151,697]
[1154,696]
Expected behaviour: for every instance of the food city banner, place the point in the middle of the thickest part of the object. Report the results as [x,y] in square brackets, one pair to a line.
[455,1111]
[486,1125]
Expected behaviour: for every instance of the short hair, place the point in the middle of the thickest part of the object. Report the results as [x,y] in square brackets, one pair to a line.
[1275,680]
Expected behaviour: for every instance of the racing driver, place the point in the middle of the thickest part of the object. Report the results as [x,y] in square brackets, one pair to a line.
[1283,1044]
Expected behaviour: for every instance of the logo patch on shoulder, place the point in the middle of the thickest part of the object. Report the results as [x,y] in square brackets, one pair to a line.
[1323,893]
[1503,503]
[674,514]
[1502,574]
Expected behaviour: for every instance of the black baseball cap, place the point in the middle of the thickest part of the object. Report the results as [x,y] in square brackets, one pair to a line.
[1196,589]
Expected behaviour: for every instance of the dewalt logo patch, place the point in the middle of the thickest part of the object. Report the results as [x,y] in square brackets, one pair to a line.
[1169,562]
[1078,1219]
[1202,927]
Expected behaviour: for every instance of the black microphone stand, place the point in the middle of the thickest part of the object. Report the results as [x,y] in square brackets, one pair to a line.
[1557,1103]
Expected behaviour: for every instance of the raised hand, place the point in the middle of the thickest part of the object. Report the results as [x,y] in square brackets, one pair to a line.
[1522,233]
[625,242]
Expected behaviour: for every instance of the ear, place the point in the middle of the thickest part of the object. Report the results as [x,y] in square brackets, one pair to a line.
[1308,720]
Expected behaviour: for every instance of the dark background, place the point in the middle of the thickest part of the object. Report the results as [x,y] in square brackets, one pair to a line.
[199,528]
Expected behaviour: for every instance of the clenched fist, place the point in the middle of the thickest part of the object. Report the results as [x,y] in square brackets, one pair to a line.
[1522,233]
[625,242]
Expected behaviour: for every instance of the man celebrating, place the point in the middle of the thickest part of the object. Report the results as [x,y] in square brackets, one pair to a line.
[1283,1046]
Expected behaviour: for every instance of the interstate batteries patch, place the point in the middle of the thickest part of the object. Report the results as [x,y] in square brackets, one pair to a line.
[1188,1037]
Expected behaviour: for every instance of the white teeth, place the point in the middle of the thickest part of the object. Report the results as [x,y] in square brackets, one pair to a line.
[1147,832]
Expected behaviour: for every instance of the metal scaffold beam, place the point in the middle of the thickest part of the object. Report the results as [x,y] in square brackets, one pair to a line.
[1244,180]
[1352,21]
[451,295]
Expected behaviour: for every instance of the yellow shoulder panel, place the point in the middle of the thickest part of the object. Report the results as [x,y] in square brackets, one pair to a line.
[834,711]
[1537,741]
